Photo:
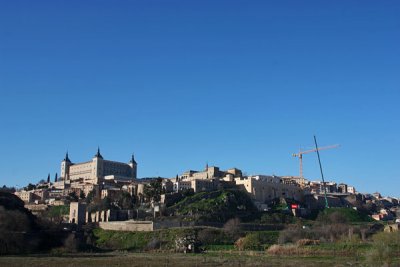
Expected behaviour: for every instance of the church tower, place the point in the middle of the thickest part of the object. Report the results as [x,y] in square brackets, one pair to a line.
[65,167]
[133,165]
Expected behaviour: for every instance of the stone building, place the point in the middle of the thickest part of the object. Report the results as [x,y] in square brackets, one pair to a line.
[77,213]
[301,181]
[351,189]
[97,170]
[36,195]
[264,188]
[210,173]
[112,193]
[207,180]
[342,188]
[26,196]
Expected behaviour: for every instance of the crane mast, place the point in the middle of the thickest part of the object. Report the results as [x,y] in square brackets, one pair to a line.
[301,153]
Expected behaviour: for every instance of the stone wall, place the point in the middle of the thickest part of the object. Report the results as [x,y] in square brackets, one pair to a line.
[130,226]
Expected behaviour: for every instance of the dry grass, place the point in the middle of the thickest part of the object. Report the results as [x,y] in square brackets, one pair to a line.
[289,249]
[173,260]
[307,242]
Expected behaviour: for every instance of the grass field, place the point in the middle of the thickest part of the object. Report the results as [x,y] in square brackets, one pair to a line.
[159,259]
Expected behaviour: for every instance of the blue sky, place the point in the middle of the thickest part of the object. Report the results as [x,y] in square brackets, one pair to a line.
[181,83]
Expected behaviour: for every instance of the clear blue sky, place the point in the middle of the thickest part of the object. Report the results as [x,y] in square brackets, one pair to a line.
[179,83]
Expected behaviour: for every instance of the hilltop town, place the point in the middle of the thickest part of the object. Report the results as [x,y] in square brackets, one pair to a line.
[101,205]
[104,191]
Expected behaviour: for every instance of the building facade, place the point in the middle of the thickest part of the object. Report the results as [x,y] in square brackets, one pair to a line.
[97,170]
[264,188]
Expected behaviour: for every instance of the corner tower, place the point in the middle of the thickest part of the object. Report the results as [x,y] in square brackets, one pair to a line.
[97,172]
[133,165]
[65,164]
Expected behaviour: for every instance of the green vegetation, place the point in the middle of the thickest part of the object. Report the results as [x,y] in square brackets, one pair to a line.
[259,240]
[152,191]
[20,231]
[56,213]
[384,249]
[343,215]
[58,210]
[216,206]
[208,238]
[14,216]
[165,239]
[278,218]
[248,237]
[30,187]
[114,240]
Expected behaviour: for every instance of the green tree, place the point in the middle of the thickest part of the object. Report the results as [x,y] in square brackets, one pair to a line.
[125,201]
[56,213]
[72,196]
[153,190]
[30,187]
[91,196]
[7,189]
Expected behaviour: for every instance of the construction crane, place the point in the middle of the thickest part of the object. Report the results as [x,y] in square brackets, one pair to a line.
[301,153]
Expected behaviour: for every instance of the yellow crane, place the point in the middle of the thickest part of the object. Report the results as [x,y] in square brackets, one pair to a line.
[301,153]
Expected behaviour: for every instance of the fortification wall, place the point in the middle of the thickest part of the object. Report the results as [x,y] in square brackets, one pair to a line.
[130,226]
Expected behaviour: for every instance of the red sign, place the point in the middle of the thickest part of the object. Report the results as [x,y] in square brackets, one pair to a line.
[295,206]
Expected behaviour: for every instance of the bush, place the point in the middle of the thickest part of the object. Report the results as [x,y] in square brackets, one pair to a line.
[71,243]
[249,242]
[215,206]
[379,255]
[56,213]
[153,244]
[384,248]
[307,242]
[342,215]
[14,220]
[323,233]
[215,236]
[275,218]
[232,228]
[256,240]
[284,250]
[387,238]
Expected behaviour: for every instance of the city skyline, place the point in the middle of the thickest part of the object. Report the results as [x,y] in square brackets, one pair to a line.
[182,84]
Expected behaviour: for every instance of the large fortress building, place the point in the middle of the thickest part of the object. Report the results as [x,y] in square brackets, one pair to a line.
[97,170]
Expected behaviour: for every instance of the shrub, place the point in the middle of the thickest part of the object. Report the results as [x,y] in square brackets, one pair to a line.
[14,220]
[215,236]
[384,248]
[215,206]
[291,235]
[324,232]
[284,249]
[307,242]
[274,218]
[379,255]
[256,240]
[232,228]
[153,244]
[342,215]
[71,243]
